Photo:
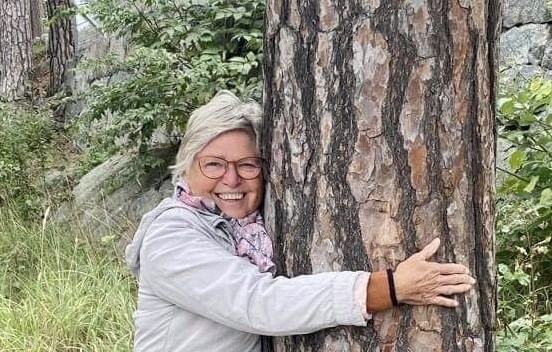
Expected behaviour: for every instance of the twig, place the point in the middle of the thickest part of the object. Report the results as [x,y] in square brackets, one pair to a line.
[512,174]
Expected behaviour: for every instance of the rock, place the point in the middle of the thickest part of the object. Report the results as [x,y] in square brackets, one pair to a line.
[55,178]
[93,185]
[524,45]
[63,214]
[521,74]
[547,57]
[120,212]
[140,202]
[93,44]
[111,199]
[518,12]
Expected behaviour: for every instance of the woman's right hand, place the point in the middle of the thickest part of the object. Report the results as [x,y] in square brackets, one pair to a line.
[421,282]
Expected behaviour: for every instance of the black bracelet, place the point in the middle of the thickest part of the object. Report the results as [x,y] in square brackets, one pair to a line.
[392,292]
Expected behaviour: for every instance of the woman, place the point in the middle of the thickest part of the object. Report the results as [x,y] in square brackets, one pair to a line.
[204,259]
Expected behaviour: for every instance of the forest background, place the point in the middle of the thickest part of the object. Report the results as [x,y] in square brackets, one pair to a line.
[63,287]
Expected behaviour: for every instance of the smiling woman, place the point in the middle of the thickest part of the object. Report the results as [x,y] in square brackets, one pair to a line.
[204,259]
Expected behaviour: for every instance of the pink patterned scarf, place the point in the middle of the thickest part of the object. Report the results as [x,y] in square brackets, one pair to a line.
[252,240]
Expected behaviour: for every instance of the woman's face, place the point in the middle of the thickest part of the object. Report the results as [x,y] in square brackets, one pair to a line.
[235,196]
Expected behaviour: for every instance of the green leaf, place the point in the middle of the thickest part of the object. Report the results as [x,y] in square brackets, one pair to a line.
[531,186]
[524,97]
[516,159]
[506,106]
[527,119]
[546,197]
[503,269]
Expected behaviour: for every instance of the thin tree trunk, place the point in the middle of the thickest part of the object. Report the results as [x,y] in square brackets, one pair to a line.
[61,46]
[61,50]
[380,129]
[37,13]
[15,49]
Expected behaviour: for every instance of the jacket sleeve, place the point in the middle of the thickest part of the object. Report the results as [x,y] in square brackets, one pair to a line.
[191,270]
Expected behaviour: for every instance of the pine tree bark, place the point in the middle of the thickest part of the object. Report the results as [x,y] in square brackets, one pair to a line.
[61,45]
[380,136]
[15,49]
[37,13]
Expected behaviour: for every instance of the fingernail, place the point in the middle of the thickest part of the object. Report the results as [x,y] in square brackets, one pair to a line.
[472,280]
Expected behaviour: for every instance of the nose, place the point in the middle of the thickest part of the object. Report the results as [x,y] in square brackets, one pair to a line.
[231,177]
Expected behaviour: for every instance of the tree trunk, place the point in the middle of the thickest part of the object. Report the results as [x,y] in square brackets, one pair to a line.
[61,50]
[380,136]
[15,49]
[61,46]
[37,13]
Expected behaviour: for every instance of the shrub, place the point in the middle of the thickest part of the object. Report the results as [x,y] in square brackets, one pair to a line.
[524,228]
[183,52]
[24,141]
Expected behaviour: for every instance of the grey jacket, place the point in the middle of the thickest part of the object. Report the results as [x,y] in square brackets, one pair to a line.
[195,295]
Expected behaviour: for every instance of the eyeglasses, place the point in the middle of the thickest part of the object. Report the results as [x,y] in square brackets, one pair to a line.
[214,168]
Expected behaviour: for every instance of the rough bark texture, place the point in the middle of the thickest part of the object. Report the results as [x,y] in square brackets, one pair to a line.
[380,136]
[61,50]
[37,13]
[61,46]
[15,49]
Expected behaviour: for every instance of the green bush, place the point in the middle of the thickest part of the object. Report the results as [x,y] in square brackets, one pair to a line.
[183,51]
[25,137]
[524,228]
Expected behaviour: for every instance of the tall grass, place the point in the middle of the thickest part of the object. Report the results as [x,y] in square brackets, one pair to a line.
[60,291]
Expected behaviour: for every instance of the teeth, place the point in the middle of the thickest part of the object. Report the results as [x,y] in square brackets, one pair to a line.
[230,196]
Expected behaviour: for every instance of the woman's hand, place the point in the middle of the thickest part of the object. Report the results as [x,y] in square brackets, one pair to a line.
[420,282]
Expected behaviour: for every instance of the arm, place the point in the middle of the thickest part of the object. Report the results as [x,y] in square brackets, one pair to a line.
[188,269]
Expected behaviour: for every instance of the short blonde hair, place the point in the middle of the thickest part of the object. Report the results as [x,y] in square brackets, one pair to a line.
[223,113]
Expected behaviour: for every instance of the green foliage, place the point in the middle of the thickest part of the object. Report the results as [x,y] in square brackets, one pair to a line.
[60,291]
[526,117]
[183,51]
[525,219]
[24,141]
[528,127]
[527,334]
[92,158]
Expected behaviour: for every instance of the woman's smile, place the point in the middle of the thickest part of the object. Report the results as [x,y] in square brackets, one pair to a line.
[230,196]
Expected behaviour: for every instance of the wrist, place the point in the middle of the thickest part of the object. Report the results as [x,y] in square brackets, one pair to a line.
[400,290]
[378,296]
[391,284]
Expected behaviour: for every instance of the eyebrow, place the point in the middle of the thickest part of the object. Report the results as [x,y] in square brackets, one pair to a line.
[224,158]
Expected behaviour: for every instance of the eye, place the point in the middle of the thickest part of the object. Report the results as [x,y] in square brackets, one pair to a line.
[213,164]
[249,164]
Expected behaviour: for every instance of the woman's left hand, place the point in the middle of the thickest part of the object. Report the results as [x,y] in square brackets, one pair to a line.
[420,282]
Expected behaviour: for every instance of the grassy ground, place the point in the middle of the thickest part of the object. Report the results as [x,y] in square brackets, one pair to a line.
[59,291]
